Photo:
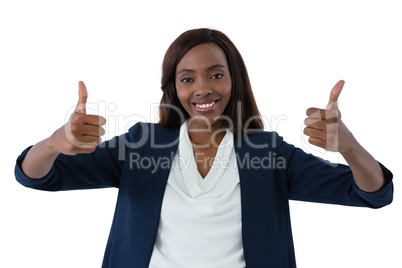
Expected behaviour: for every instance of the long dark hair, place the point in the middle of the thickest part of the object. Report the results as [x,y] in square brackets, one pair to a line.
[171,112]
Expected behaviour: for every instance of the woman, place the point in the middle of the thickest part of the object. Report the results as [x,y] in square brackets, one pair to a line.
[206,187]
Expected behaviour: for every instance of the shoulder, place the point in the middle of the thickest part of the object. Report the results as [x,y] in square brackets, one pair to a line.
[263,142]
[144,133]
[145,127]
[261,139]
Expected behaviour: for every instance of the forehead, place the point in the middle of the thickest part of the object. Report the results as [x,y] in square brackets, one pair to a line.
[201,57]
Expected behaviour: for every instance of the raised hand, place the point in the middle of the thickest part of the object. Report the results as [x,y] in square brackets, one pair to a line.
[325,127]
[82,133]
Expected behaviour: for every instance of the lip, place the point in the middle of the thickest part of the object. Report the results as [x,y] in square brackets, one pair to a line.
[204,101]
[205,110]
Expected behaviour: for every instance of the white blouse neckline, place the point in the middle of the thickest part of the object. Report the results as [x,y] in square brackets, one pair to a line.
[211,186]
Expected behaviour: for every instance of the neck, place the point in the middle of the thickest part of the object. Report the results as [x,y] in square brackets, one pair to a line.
[206,136]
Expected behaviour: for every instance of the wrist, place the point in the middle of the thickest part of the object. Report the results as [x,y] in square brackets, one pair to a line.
[352,152]
[51,143]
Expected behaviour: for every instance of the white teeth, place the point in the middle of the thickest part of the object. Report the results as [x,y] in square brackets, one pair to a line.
[205,105]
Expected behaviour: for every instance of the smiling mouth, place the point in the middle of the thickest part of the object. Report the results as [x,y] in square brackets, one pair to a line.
[205,107]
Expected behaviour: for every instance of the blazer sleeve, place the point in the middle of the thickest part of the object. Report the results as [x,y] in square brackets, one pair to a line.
[310,178]
[99,169]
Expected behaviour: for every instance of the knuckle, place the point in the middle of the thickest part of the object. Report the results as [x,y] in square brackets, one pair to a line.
[75,129]
[77,118]
[75,115]
[102,120]
[311,140]
[323,114]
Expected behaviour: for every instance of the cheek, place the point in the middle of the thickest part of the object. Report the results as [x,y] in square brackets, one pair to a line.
[227,91]
[183,96]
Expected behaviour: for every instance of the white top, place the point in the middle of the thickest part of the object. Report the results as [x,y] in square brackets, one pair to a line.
[200,223]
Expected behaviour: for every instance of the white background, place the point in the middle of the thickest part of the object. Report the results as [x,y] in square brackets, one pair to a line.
[295,52]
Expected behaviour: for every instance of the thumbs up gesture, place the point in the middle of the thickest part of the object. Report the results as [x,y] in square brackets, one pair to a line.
[325,127]
[82,133]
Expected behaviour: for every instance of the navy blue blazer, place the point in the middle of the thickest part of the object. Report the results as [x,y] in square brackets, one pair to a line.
[271,173]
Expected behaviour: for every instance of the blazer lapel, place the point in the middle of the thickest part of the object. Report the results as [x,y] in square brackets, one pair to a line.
[264,228]
[147,186]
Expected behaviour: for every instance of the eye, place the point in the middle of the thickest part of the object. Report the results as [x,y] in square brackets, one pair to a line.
[217,76]
[186,80]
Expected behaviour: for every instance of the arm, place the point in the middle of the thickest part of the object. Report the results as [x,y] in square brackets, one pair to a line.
[310,178]
[326,130]
[71,158]
[366,170]
[81,134]
[39,160]
[99,169]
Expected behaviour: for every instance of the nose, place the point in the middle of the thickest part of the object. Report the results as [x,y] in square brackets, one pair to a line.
[203,89]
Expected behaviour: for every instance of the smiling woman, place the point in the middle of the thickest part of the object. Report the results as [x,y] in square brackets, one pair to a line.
[220,60]
[206,187]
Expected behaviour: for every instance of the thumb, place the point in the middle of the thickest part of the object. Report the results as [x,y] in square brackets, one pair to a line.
[82,98]
[334,95]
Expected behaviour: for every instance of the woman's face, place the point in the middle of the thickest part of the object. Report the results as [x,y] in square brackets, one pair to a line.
[203,83]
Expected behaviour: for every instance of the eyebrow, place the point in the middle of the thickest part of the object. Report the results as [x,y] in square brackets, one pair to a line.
[209,69]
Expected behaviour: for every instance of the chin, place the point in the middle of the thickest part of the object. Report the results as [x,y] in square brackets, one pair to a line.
[204,120]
